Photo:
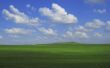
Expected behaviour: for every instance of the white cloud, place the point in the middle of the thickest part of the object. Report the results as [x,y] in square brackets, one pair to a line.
[58,14]
[81,34]
[101,11]
[108,25]
[76,34]
[48,31]
[31,7]
[1,37]
[98,35]
[96,23]
[18,31]
[28,5]
[82,29]
[19,17]
[14,36]
[68,34]
[95,1]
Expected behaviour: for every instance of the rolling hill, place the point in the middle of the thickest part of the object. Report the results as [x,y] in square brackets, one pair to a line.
[57,55]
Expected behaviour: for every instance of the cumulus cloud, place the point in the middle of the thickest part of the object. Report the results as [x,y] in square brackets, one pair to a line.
[19,17]
[96,23]
[1,37]
[68,34]
[14,36]
[76,34]
[48,31]
[108,25]
[58,14]
[95,1]
[31,7]
[17,31]
[101,11]
[81,34]
[98,35]
[82,29]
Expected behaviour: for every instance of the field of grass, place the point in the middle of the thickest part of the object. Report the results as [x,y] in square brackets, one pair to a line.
[65,55]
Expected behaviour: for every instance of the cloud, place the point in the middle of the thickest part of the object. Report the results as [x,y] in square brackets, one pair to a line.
[82,29]
[108,25]
[58,14]
[19,17]
[101,11]
[68,34]
[1,37]
[31,7]
[48,31]
[95,1]
[14,36]
[17,31]
[76,34]
[80,34]
[98,34]
[96,23]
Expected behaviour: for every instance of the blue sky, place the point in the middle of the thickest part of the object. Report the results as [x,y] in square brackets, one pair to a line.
[49,21]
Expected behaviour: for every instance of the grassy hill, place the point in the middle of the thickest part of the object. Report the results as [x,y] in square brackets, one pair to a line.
[57,55]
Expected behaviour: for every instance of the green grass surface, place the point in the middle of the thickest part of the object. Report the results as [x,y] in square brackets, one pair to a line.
[65,55]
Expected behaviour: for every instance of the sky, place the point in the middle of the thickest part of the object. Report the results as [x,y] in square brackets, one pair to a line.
[51,21]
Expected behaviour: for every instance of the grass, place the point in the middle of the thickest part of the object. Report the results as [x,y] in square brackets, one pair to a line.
[59,55]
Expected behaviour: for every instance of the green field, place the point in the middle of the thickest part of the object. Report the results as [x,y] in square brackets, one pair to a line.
[65,55]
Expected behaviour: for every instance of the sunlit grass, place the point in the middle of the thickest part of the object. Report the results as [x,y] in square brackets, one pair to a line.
[65,55]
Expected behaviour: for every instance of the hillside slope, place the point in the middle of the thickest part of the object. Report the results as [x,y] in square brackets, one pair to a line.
[59,55]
